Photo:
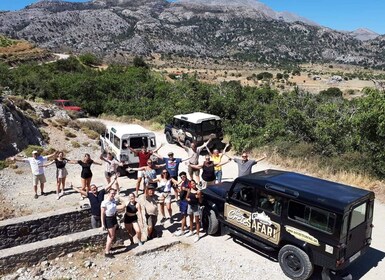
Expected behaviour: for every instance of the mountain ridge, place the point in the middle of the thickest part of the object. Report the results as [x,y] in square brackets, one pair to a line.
[231,30]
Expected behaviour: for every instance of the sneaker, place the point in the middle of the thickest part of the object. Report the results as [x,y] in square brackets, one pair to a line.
[178,233]
[196,239]
[140,243]
[109,255]
[43,193]
[171,220]
[36,196]
[163,220]
[58,197]
[190,233]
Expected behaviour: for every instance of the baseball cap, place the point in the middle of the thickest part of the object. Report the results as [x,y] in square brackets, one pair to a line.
[35,152]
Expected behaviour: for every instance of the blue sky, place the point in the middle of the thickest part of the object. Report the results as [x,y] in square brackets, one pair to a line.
[336,14]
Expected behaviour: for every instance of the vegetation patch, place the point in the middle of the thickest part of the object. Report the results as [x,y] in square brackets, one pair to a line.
[69,134]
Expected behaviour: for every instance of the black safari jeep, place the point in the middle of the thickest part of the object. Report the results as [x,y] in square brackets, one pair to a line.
[310,221]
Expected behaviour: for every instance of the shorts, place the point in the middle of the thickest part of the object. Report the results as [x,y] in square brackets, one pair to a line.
[140,174]
[109,174]
[38,178]
[130,219]
[183,205]
[151,220]
[95,221]
[165,197]
[111,222]
[193,210]
[61,173]
[193,171]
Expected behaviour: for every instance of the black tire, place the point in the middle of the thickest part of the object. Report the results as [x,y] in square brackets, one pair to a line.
[169,138]
[210,222]
[295,263]
[187,143]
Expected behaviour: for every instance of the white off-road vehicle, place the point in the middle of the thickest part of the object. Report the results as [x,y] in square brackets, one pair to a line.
[118,138]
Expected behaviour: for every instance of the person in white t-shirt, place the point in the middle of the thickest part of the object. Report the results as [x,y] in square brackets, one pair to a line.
[37,167]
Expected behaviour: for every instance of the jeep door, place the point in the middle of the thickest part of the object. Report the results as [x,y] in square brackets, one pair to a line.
[359,229]
[239,206]
[176,130]
[266,220]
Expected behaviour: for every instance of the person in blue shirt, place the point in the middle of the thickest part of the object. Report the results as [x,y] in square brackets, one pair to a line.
[172,164]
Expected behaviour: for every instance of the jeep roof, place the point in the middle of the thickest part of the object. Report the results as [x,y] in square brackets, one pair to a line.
[197,117]
[331,195]
[125,129]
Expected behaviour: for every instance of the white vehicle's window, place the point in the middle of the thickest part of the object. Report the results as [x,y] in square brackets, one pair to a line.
[138,142]
[358,216]
[152,142]
[116,141]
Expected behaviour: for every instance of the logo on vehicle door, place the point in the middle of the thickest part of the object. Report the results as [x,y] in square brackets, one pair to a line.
[257,223]
[302,235]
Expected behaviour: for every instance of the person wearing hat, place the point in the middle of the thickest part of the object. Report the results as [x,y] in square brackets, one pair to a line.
[150,206]
[37,167]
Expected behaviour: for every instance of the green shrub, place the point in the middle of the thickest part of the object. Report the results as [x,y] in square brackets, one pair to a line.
[69,134]
[75,144]
[90,133]
[96,126]
[45,135]
[21,103]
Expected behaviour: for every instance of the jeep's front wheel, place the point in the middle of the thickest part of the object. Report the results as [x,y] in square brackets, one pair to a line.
[210,221]
[295,263]
[169,138]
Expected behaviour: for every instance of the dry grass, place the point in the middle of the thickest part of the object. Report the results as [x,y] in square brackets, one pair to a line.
[312,167]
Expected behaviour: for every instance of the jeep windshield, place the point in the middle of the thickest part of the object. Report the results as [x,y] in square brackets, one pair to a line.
[68,104]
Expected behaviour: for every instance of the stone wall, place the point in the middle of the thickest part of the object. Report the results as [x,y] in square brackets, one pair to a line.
[30,254]
[33,228]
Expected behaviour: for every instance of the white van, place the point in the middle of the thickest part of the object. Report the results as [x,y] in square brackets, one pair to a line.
[118,138]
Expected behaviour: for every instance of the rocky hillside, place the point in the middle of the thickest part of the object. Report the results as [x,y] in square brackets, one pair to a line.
[18,125]
[238,29]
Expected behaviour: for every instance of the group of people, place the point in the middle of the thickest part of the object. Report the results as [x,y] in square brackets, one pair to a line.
[158,191]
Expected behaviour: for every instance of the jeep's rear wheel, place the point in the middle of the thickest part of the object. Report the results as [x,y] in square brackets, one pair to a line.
[210,221]
[295,263]
[169,138]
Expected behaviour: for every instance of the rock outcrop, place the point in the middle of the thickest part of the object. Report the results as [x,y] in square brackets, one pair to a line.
[17,131]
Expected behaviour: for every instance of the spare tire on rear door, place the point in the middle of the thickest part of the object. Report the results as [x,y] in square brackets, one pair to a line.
[210,221]
[295,263]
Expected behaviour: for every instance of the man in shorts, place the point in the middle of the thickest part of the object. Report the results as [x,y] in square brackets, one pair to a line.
[37,167]
[193,155]
[150,206]
[110,170]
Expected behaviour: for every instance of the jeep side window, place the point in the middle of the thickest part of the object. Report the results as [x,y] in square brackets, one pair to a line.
[107,135]
[176,123]
[124,144]
[242,193]
[314,217]
[116,141]
[270,203]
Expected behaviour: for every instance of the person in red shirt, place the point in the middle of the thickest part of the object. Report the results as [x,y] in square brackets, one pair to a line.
[143,155]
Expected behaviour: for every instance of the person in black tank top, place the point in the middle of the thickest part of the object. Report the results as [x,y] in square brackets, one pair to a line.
[131,217]
[61,173]
[86,174]
[208,174]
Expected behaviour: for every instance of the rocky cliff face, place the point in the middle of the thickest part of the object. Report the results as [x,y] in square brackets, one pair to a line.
[238,29]
[17,131]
